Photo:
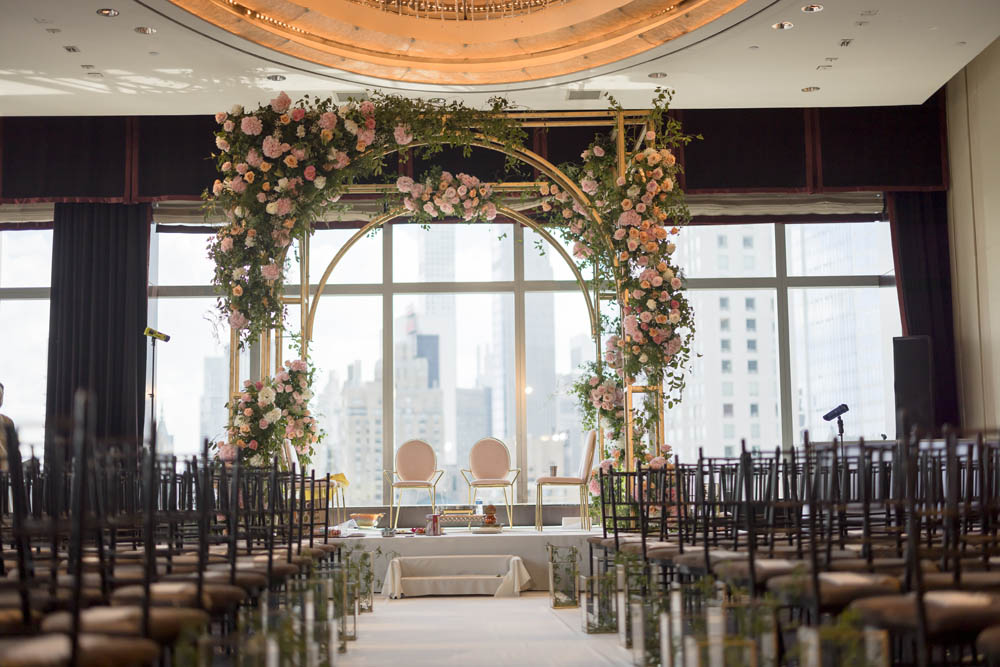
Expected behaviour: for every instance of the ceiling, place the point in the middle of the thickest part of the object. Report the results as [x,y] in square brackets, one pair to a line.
[900,52]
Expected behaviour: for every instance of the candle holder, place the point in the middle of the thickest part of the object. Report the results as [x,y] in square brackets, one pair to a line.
[630,582]
[564,582]
[597,603]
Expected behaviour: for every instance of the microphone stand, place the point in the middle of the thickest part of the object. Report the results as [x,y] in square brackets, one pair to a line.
[152,402]
[840,429]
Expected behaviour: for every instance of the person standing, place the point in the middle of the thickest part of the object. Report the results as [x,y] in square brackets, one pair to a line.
[4,422]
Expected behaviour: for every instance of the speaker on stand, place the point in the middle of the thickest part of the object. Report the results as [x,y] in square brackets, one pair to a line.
[913,367]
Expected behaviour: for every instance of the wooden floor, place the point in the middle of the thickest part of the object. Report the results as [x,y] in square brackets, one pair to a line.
[473,631]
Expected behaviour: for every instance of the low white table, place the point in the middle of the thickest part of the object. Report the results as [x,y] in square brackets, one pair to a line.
[496,575]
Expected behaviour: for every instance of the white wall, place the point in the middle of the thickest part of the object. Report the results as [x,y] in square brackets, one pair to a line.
[974,211]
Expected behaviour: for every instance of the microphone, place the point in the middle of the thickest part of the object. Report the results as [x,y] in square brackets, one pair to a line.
[153,333]
[836,412]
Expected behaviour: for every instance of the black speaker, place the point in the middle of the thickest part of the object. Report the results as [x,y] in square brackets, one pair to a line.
[914,383]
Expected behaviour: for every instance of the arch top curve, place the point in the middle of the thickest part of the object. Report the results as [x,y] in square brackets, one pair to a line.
[514,216]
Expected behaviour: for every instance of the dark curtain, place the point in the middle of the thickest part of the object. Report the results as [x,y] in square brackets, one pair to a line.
[920,230]
[97,316]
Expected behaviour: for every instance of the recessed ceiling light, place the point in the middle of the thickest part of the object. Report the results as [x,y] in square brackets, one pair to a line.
[960,43]
[154,53]
[753,47]
[812,9]
[96,75]
[810,89]
[657,75]
[87,66]
[145,30]
[783,25]
[108,12]
[276,77]
[53,31]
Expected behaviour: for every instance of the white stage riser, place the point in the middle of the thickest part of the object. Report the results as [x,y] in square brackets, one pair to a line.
[527,543]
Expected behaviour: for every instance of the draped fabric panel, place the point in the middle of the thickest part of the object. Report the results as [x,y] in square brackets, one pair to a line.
[97,315]
[920,233]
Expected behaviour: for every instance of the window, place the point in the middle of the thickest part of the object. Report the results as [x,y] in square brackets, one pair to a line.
[753,388]
[748,242]
[725,344]
[755,431]
[751,324]
[727,366]
[833,249]
[727,388]
[749,262]
[754,410]
[723,263]
[689,257]
[728,431]
[750,303]
[727,409]
[721,241]
[752,366]
[729,451]
[723,303]
[724,324]
[751,344]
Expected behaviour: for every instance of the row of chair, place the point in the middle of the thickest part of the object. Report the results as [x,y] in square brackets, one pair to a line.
[901,536]
[111,555]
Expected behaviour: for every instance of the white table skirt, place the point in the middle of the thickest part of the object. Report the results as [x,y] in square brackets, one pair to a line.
[496,575]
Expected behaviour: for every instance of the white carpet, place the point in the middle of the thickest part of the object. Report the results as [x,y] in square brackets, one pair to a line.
[477,631]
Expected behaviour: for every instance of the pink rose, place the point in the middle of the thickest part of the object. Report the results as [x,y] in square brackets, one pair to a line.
[650,135]
[238,185]
[299,153]
[241,167]
[261,197]
[253,444]
[588,185]
[298,113]
[228,126]
[253,158]
[402,135]
[675,282]
[404,183]
[251,125]
[227,244]
[607,464]
[328,120]
[281,103]
[284,206]
[309,173]
[594,486]
[217,187]
[272,147]
[367,107]
[237,320]
[598,151]
[221,117]
[270,271]
[221,144]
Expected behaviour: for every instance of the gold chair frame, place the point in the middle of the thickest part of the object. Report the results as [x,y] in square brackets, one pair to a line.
[430,485]
[584,503]
[508,503]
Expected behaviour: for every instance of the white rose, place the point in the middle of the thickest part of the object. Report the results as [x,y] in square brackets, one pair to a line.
[343,109]
[266,397]
[238,211]
[670,248]
[271,208]
[307,394]
[643,358]
[675,317]
[300,131]
[236,110]
[669,273]
[282,183]
[651,304]
[350,126]
[274,415]
[320,182]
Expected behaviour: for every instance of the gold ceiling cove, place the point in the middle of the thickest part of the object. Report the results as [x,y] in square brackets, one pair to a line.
[460,42]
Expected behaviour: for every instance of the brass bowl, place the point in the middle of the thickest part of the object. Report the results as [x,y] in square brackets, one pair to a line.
[367,520]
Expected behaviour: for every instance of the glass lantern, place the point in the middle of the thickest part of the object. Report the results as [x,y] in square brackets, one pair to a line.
[564,582]
[597,603]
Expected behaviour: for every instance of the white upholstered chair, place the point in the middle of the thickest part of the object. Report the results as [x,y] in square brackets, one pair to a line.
[416,468]
[489,467]
[579,481]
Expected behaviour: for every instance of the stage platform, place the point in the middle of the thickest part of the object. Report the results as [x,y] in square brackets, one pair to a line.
[523,541]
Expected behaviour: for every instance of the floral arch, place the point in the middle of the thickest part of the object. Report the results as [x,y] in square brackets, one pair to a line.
[283,166]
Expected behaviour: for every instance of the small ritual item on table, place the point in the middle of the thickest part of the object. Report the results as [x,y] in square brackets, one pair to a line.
[491,515]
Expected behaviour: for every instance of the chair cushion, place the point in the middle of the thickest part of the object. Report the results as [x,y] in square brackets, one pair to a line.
[488,481]
[983,581]
[988,643]
[165,623]
[837,589]
[959,615]
[734,571]
[559,480]
[95,650]
[411,485]
[695,559]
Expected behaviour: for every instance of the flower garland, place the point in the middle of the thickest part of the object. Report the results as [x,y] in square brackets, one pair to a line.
[641,213]
[270,411]
[442,195]
[281,165]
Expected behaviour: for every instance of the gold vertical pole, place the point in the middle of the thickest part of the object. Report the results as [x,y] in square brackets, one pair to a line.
[304,292]
[265,354]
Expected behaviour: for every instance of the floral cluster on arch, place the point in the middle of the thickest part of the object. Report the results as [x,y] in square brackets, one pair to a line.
[629,237]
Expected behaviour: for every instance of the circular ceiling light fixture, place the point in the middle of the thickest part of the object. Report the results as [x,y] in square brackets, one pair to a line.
[108,12]
[810,89]
[657,75]
[145,30]
[275,77]
[783,25]
[812,9]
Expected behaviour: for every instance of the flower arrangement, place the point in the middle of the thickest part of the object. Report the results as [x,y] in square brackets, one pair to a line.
[270,411]
[283,164]
[640,214]
[442,195]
